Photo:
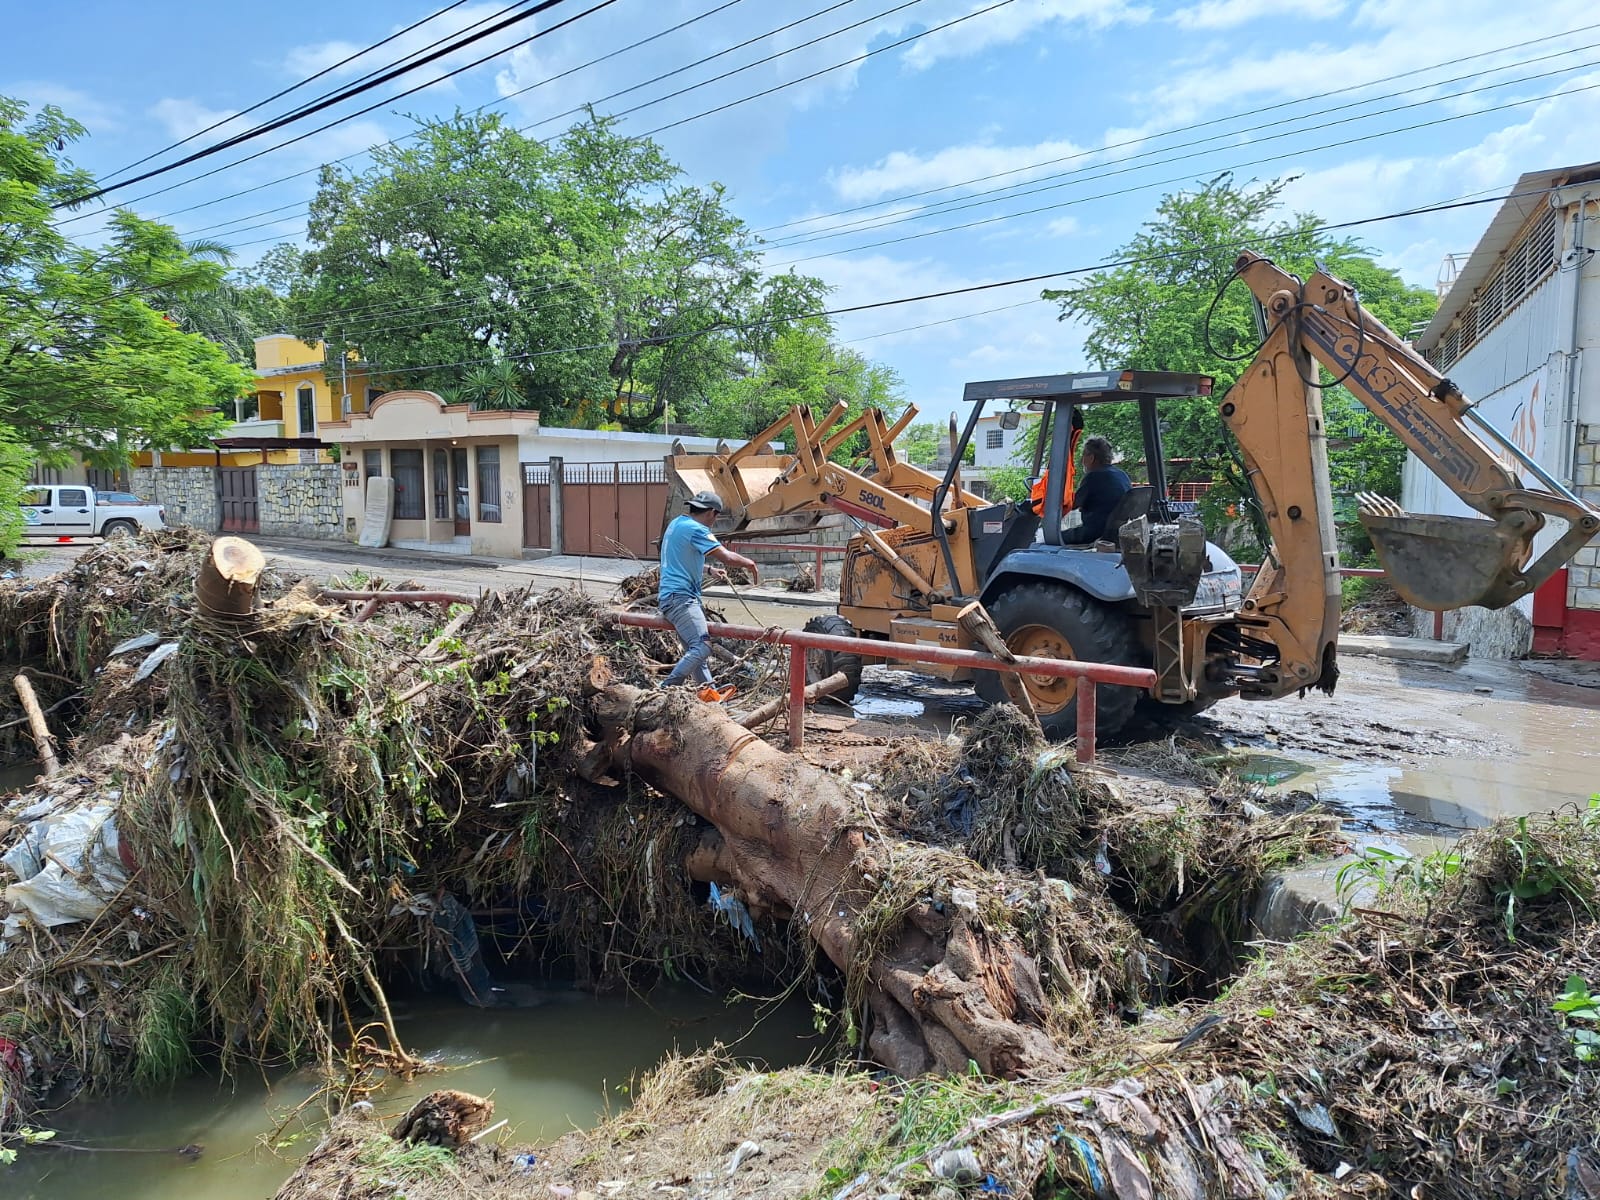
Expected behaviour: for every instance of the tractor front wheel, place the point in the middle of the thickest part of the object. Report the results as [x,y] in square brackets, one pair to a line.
[822,663]
[1050,620]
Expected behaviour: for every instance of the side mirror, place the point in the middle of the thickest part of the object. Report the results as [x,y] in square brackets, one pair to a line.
[1010,419]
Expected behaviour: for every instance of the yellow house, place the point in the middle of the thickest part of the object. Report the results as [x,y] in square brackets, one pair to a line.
[295,397]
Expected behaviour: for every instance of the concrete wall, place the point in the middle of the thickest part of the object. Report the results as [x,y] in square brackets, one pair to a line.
[301,500]
[603,445]
[189,494]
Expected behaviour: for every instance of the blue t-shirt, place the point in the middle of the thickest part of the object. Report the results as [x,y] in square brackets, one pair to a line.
[683,556]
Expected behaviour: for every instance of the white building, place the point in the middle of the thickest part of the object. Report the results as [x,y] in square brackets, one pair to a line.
[994,446]
[1513,332]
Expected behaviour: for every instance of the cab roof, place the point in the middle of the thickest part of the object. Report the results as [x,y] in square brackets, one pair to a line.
[1091,387]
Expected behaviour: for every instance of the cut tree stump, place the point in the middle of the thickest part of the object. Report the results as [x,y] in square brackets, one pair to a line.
[226,585]
[945,989]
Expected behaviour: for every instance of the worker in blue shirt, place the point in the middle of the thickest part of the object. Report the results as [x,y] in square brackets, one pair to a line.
[684,547]
[1102,487]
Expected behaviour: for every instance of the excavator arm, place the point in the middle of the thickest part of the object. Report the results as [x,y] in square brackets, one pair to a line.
[1433,562]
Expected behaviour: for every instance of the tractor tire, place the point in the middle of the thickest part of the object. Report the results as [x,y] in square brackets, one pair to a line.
[822,663]
[118,529]
[1050,620]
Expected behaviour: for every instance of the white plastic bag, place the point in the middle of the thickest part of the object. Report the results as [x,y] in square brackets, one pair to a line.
[69,867]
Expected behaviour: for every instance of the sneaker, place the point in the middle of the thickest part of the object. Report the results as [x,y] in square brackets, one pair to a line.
[712,694]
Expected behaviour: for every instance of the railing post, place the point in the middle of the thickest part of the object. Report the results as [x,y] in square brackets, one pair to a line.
[558,507]
[1438,624]
[1086,720]
[797,697]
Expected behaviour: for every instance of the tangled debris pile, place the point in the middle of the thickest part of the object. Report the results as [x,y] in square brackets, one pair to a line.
[290,794]
[1424,1048]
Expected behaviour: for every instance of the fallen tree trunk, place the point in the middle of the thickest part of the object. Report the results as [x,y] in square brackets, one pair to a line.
[943,987]
[37,725]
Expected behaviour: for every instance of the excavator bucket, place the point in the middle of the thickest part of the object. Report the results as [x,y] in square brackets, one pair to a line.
[1445,562]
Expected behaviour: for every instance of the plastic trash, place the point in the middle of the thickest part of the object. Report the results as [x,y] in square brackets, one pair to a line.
[153,660]
[958,1166]
[68,867]
[738,916]
[141,641]
[525,1162]
[745,1151]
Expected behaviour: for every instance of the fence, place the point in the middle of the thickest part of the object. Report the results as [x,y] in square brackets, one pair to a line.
[609,509]
[799,641]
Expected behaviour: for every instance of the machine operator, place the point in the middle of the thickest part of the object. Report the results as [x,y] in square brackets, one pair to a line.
[1102,486]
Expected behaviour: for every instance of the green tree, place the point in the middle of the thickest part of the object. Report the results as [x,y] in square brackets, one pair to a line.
[246,304]
[1152,314]
[925,441]
[801,365]
[589,262]
[90,362]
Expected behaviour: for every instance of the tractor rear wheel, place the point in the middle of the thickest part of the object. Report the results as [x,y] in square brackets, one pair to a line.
[822,663]
[1050,620]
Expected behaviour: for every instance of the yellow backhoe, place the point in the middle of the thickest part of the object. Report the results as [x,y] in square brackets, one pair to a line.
[1156,592]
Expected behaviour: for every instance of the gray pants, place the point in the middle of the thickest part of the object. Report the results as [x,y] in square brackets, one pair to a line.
[689,619]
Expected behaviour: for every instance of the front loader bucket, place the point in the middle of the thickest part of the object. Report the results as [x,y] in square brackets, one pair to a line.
[1438,563]
[737,487]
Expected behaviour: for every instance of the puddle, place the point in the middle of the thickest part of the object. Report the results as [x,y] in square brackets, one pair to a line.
[548,1070]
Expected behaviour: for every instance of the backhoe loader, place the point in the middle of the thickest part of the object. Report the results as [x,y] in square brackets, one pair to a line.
[1156,592]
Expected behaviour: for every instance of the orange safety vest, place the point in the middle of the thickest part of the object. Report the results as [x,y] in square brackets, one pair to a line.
[1036,495]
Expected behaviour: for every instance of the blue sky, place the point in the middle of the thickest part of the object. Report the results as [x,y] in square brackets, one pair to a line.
[1107,92]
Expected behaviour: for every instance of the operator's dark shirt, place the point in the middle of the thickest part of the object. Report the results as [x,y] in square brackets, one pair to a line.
[1097,495]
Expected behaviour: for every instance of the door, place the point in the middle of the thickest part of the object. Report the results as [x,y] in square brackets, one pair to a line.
[241,507]
[461,484]
[66,512]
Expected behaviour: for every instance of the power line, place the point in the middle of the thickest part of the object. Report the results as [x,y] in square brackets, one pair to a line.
[1130,261]
[1183,178]
[698,62]
[1408,74]
[955,204]
[278,95]
[353,314]
[312,170]
[330,99]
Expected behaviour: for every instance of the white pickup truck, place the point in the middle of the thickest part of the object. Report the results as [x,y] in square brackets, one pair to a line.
[63,512]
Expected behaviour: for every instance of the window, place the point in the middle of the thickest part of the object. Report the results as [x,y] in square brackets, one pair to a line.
[489,484]
[372,395]
[994,439]
[306,401]
[35,498]
[247,408]
[373,460]
[408,494]
[441,486]
[72,498]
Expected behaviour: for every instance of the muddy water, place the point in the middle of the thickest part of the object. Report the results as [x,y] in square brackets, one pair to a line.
[548,1069]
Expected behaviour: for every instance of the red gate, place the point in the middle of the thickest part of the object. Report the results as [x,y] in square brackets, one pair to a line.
[608,510]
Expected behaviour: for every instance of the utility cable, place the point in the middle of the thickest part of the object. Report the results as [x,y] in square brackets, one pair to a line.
[1130,261]
[346,94]
[278,95]
[1251,112]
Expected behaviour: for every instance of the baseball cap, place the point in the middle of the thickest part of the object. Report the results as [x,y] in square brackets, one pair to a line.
[701,501]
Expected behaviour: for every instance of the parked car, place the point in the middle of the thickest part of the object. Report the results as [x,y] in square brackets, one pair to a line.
[68,511]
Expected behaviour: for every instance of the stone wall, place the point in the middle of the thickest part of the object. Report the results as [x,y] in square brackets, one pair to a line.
[189,494]
[1583,577]
[301,500]
[1489,633]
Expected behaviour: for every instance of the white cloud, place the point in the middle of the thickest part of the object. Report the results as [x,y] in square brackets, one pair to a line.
[313,57]
[94,115]
[905,171]
[1226,14]
[1015,21]
[1063,227]
[184,117]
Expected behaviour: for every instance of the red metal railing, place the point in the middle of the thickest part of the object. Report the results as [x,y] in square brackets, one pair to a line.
[799,641]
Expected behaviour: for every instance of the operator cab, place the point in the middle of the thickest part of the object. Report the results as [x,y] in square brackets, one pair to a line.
[1007,537]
